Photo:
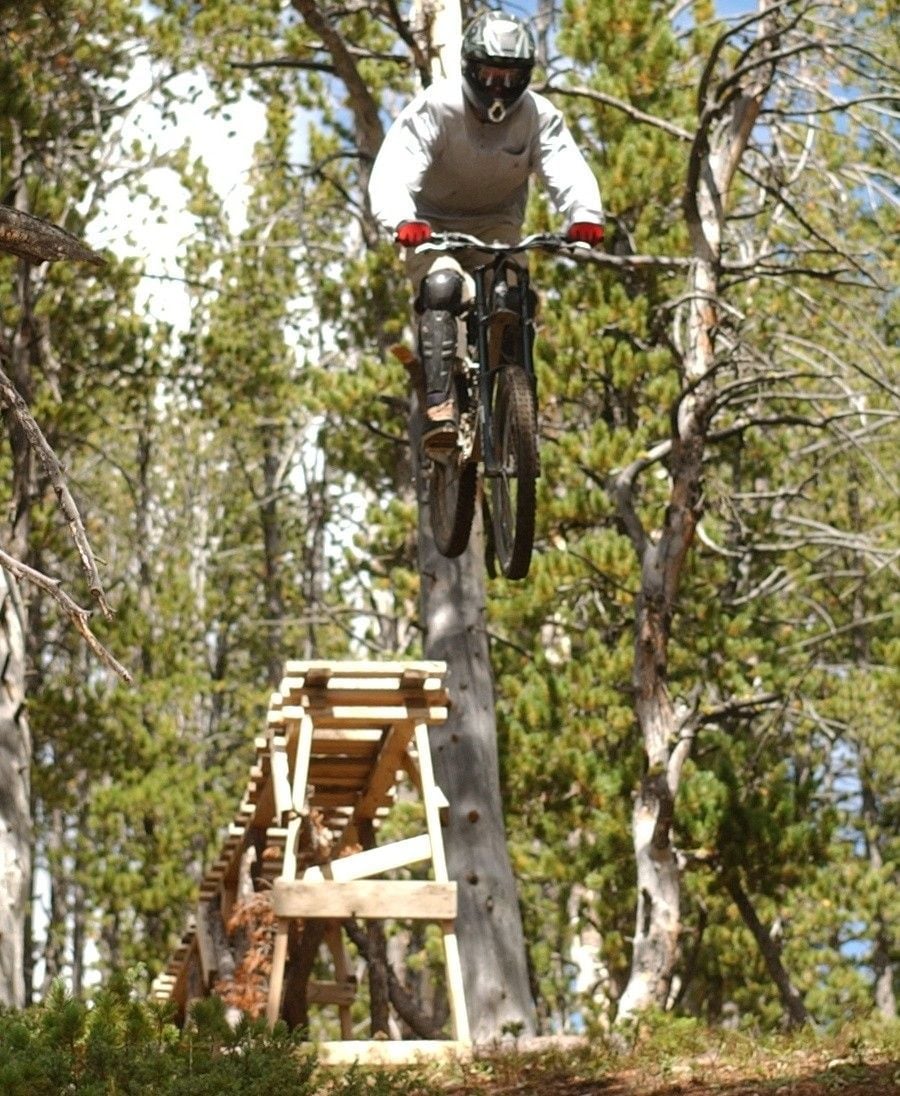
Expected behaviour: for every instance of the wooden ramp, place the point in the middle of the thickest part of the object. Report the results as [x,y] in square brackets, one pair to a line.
[337,736]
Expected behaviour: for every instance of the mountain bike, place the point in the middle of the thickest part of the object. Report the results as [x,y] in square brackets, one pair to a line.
[496,398]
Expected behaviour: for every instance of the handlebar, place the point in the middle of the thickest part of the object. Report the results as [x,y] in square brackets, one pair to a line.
[539,241]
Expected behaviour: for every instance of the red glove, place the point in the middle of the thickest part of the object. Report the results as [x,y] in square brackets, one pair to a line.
[585,232]
[411,233]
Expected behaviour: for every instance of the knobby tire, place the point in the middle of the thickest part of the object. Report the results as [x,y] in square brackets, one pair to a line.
[513,490]
[452,487]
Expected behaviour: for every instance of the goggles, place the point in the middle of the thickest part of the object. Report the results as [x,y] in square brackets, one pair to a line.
[503,82]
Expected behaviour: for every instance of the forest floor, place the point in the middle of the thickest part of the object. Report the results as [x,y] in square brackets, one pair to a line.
[847,1065]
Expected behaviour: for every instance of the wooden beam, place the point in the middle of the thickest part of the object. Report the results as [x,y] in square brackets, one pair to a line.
[387,1052]
[305,734]
[350,743]
[384,775]
[363,865]
[331,993]
[370,697]
[208,960]
[372,900]
[337,717]
[363,669]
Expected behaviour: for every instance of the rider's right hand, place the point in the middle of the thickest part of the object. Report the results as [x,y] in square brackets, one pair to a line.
[412,233]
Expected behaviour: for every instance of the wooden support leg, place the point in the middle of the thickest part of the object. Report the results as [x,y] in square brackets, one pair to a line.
[276,979]
[301,764]
[455,990]
[335,942]
[279,951]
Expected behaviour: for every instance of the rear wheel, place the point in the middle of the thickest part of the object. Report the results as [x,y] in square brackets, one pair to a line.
[452,487]
[513,488]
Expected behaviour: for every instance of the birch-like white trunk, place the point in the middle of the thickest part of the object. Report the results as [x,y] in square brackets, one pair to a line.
[667,740]
[15,807]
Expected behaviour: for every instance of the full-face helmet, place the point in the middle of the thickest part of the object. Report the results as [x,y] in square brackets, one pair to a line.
[497,59]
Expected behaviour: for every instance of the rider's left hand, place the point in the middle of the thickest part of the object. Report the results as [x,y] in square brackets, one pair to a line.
[585,232]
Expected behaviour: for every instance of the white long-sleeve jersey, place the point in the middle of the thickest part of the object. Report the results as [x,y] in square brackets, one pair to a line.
[440,163]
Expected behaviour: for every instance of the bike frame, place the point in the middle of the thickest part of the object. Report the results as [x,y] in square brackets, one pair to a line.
[502,261]
[484,314]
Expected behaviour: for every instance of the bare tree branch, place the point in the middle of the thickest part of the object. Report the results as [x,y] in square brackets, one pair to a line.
[618,104]
[78,616]
[37,240]
[11,399]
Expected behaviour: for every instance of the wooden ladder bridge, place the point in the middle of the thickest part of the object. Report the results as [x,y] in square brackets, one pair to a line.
[338,736]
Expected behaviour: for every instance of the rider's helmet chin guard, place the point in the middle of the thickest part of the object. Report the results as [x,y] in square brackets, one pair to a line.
[497,60]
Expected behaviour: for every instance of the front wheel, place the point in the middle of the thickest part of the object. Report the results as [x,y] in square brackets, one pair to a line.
[452,487]
[513,487]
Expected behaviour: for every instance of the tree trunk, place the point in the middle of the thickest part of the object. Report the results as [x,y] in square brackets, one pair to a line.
[771,953]
[464,749]
[15,811]
[55,944]
[718,146]
[15,733]
[658,914]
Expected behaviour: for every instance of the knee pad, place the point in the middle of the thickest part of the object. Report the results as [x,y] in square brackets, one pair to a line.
[438,334]
[442,290]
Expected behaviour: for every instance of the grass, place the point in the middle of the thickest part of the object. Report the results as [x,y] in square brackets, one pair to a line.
[124,1046]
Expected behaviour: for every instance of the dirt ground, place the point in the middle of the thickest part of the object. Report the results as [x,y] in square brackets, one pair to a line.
[558,1072]
[876,1080]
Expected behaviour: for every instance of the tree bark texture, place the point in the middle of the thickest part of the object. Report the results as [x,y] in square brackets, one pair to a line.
[409,1011]
[32,238]
[771,953]
[303,951]
[15,807]
[464,751]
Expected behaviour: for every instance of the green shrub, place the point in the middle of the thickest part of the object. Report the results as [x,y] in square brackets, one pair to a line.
[124,1046]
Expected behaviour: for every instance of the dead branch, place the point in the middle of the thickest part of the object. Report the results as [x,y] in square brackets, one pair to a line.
[595,96]
[365,109]
[10,399]
[73,611]
[38,241]
[405,1007]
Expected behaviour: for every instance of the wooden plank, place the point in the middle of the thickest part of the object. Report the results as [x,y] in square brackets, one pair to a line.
[331,993]
[334,940]
[386,1052]
[363,865]
[337,781]
[299,668]
[281,784]
[347,743]
[300,779]
[384,775]
[208,963]
[433,805]
[369,698]
[276,977]
[370,899]
[323,768]
[348,717]
[314,675]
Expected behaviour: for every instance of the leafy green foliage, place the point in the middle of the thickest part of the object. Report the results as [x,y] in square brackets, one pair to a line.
[121,1045]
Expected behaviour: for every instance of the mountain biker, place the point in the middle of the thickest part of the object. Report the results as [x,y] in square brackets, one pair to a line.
[458,159]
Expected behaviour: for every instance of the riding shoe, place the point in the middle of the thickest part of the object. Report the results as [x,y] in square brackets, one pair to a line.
[439,433]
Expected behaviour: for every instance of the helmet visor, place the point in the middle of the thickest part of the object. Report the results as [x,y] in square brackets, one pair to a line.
[503,82]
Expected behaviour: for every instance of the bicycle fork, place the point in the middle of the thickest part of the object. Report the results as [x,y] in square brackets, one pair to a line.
[486,375]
